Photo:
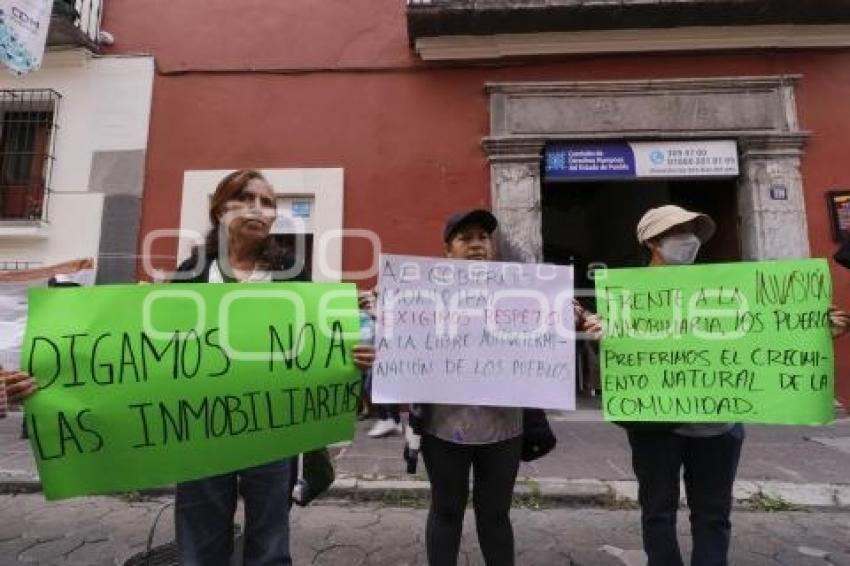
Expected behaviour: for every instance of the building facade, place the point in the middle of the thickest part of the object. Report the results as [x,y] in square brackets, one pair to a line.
[385,116]
[72,151]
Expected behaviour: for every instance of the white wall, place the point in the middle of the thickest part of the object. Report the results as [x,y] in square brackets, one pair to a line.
[105,106]
[323,186]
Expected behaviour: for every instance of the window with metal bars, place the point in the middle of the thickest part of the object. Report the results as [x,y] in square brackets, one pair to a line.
[18,265]
[27,134]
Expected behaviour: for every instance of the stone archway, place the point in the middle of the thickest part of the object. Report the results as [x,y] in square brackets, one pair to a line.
[758,112]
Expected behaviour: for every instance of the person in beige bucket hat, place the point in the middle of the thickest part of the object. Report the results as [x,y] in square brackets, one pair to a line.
[673,234]
[708,452]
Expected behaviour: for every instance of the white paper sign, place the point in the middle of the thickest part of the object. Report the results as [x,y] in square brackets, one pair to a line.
[23,33]
[13,321]
[474,333]
[14,289]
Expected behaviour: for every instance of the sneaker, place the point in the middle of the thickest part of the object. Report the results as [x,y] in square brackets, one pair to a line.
[385,427]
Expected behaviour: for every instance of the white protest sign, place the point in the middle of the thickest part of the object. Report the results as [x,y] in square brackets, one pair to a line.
[474,333]
[23,33]
[14,288]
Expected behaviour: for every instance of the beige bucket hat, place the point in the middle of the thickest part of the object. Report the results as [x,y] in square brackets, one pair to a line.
[656,221]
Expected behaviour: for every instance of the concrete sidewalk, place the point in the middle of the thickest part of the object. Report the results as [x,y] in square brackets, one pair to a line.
[780,466]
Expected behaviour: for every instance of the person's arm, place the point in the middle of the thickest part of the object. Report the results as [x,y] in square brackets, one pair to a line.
[587,321]
[364,356]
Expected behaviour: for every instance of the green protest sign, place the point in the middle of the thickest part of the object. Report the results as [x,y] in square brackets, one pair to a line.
[741,342]
[143,386]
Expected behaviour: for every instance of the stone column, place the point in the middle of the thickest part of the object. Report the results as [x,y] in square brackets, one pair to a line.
[772,227]
[515,192]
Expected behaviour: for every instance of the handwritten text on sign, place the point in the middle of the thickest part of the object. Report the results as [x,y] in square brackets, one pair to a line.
[143,386]
[474,332]
[745,342]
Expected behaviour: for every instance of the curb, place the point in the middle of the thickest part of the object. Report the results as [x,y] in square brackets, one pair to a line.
[558,492]
[19,482]
[542,492]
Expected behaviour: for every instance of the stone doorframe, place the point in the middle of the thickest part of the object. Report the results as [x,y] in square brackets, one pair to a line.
[758,112]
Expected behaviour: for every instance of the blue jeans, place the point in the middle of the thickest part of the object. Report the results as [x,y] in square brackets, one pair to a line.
[710,466]
[204,517]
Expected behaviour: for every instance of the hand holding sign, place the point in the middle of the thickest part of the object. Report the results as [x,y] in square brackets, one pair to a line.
[18,385]
[839,320]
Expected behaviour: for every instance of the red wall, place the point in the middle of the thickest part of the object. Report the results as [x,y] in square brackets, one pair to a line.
[334,84]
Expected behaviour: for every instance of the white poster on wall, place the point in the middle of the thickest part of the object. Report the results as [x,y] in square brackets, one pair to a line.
[23,33]
[474,333]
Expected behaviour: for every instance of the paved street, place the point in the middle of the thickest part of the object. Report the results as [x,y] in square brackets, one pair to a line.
[782,468]
[105,531]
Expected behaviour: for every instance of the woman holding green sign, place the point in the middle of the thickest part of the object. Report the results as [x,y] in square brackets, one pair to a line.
[240,248]
[708,452]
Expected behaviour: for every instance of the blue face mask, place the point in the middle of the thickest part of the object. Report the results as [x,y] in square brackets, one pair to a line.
[679,249]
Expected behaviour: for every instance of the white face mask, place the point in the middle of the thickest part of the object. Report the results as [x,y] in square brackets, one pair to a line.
[679,249]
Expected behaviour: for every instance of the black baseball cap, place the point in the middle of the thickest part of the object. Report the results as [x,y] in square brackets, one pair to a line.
[483,218]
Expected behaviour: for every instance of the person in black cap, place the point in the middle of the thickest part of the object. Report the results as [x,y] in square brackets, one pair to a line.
[457,438]
[478,224]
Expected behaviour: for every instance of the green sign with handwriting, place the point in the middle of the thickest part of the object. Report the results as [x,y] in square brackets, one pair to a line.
[147,385]
[738,342]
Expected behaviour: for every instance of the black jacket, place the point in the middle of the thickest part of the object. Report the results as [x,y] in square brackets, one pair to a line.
[198,265]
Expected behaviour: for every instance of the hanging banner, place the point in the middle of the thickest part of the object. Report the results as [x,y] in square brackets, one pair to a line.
[738,342]
[147,385]
[641,160]
[474,333]
[23,33]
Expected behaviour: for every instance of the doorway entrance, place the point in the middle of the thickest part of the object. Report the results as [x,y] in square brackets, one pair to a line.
[592,224]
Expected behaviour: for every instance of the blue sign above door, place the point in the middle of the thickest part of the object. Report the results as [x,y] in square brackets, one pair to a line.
[590,161]
[636,160]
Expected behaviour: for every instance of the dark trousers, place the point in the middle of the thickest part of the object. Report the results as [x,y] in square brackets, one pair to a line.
[710,465]
[204,517]
[494,470]
[386,412]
